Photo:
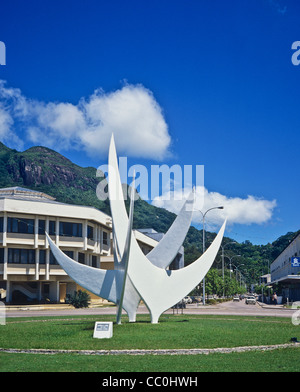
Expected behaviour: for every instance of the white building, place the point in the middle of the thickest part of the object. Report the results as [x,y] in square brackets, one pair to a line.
[28,269]
[285,271]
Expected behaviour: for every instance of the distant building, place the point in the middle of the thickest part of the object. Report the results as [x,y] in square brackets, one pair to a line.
[265,279]
[28,270]
[285,270]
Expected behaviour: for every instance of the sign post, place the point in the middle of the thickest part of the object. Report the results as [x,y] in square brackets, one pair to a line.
[295,261]
[2,314]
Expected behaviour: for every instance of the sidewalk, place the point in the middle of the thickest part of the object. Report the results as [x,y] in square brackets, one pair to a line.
[38,307]
[53,306]
[270,306]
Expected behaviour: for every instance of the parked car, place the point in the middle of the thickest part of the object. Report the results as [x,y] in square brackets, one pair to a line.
[236,298]
[187,300]
[250,300]
[195,300]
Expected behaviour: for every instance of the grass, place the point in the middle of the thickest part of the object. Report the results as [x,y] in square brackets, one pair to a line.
[178,331]
[173,331]
[282,360]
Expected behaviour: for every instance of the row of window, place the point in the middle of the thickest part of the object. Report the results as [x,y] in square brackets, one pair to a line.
[68,229]
[27,256]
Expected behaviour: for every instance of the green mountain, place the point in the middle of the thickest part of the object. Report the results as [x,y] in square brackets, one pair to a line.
[43,169]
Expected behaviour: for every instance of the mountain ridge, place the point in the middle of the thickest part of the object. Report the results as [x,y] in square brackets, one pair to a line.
[43,169]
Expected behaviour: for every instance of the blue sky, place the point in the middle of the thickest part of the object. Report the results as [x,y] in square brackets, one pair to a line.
[210,82]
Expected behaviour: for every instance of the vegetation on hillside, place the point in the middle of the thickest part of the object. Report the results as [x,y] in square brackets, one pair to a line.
[43,169]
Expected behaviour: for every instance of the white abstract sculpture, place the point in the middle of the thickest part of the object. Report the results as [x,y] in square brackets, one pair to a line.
[108,283]
[138,276]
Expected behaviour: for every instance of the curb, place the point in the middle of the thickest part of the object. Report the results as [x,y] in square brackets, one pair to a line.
[267,306]
[53,306]
[194,351]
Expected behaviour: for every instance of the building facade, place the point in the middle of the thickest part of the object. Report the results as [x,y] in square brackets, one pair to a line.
[285,271]
[28,270]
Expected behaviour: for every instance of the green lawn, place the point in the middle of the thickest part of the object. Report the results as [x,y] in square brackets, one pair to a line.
[283,360]
[178,331]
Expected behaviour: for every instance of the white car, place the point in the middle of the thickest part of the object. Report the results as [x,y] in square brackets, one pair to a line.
[236,298]
[187,300]
[251,300]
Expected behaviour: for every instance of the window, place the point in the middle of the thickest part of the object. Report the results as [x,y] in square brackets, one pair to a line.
[94,261]
[1,255]
[69,253]
[70,229]
[52,228]
[52,260]
[42,257]
[20,225]
[77,230]
[90,232]
[81,258]
[105,238]
[42,226]
[1,224]
[21,256]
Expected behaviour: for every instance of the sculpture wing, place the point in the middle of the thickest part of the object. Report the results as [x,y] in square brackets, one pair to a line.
[106,284]
[160,289]
[122,266]
[166,250]
[168,247]
[97,281]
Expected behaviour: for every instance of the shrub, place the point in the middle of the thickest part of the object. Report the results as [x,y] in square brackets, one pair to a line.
[80,299]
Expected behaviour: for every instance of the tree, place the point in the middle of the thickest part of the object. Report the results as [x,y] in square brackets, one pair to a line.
[213,282]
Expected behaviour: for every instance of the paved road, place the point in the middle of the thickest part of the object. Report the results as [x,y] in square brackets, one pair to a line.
[239,309]
[227,308]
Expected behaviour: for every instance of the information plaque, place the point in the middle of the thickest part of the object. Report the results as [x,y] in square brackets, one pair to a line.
[103,329]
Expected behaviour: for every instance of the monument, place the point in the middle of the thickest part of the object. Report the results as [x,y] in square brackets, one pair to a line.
[137,276]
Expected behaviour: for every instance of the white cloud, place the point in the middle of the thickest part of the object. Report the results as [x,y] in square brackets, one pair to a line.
[7,135]
[140,130]
[237,210]
[134,117]
[55,125]
[131,113]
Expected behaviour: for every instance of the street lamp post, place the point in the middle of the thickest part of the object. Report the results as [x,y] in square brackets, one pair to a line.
[230,258]
[203,241]
[230,262]
[237,270]
[223,275]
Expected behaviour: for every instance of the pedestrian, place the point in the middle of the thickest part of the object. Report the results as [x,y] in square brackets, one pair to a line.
[275,299]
